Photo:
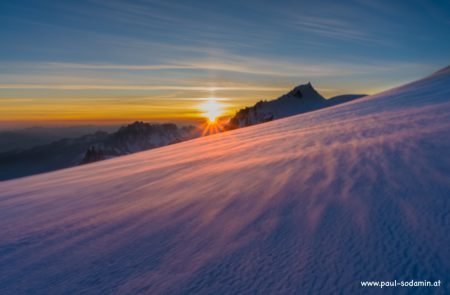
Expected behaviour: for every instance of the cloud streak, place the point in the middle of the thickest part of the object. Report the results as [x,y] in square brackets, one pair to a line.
[137,87]
[227,62]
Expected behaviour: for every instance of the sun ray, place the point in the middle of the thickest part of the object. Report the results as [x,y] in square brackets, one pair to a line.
[212,127]
[212,109]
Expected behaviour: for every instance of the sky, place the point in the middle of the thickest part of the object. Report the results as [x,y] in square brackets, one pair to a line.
[92,61]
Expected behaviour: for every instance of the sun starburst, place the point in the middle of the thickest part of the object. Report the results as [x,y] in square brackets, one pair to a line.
[212,109]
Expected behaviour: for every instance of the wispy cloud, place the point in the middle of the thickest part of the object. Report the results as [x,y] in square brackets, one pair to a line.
[333,28]
[227,62]
[119,66]
[136,87]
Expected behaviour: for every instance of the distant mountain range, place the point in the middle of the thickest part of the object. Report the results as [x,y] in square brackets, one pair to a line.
[100,145]
[301,99]
[137,137]
[140,136]
[33,136]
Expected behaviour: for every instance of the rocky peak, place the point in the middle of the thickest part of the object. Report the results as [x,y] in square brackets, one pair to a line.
[305,90]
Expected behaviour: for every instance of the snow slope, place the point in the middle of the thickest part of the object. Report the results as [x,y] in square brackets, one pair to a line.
[310,204]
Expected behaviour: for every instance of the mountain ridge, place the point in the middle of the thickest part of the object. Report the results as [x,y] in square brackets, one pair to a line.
[68,152]
[301,99]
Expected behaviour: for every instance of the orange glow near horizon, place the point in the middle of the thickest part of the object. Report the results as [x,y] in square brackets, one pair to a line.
[49,111]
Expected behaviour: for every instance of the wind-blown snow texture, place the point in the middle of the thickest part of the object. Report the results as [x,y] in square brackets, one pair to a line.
[309,204]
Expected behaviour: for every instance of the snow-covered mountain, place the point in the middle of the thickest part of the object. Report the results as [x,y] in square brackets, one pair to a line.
[69,152]
[310,204]
[141,136]
[301,99]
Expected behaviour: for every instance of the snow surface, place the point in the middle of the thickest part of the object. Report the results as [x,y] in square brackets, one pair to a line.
[310,204]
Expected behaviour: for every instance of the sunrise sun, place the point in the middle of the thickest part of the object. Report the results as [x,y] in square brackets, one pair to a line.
[212,109]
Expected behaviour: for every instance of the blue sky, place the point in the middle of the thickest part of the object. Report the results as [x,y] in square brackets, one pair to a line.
[161,57]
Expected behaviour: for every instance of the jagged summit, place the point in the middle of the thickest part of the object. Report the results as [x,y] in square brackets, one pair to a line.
[300,99]
[304,91]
